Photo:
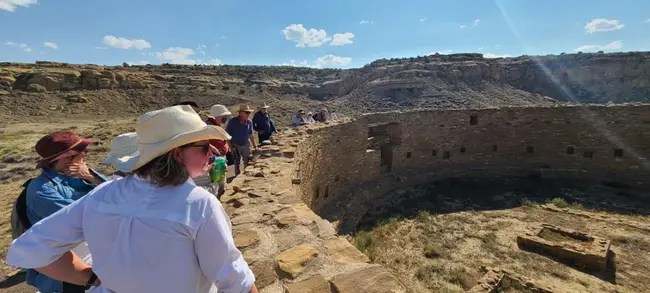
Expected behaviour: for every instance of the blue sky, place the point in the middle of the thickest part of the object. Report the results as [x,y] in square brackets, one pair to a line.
[333,33]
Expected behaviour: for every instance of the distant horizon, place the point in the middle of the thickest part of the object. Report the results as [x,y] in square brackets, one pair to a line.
[328,68]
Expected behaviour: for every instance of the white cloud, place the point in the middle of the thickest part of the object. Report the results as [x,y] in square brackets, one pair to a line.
[443,52]
[224,37]
[176,55]
[51,45]
[342,39]
[615,45]
[305,37]
[474,23]
[143,62]
[423,19]
[179,55]
[366,22]
[25,47]
[603,25]
[647,20]
[481,48]
[331,60]
[101,48]
[324,61]
[201,49]
[491,55]
[123,43]
[10,5]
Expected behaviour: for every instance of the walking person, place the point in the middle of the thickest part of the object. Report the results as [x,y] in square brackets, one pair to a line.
[218,117]
[65,178]
[240,129]
[263,124]
[154,231]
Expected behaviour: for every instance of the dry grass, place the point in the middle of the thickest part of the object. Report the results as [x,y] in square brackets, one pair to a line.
[443,252]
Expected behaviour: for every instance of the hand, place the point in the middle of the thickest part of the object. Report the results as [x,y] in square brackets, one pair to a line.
[214,150]
[79,170]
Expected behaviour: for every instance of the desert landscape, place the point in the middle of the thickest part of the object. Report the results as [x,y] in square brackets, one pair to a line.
[460,173]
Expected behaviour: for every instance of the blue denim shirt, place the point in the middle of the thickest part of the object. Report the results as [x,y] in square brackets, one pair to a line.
[46,194]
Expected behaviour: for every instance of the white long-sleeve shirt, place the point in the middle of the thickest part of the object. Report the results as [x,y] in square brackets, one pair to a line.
[143,238]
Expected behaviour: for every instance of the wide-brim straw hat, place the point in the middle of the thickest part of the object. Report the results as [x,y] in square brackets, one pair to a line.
[245,108]
[163,130]
[124,151]
[219,110]
[60,145]
[264,106]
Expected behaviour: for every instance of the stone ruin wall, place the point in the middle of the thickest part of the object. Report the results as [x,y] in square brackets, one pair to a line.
[345,167]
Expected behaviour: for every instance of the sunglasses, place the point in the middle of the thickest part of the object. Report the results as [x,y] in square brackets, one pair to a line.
[204,147]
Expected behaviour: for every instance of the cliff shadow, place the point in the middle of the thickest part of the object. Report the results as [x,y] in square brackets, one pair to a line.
[454,195]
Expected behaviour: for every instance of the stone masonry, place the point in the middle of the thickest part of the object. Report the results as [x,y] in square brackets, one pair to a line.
[343,167]
[331,170]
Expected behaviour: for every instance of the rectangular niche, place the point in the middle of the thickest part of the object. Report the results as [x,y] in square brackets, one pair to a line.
[567,245]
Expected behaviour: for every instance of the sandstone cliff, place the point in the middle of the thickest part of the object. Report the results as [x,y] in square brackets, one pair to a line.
[435,81]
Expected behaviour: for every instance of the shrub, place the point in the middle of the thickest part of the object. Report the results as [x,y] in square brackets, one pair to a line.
[559,202]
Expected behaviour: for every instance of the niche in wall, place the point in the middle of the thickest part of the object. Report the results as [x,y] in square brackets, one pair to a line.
[494,148]
[618,153]
[434,153]
[570,151]
[588,154]
[529,149]
[473,119]
[446,155]
[408,155]
[463,150]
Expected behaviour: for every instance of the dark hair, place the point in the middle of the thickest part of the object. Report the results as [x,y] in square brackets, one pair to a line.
[164,171]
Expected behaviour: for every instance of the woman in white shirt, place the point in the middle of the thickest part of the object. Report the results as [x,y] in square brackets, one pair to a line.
[154,231]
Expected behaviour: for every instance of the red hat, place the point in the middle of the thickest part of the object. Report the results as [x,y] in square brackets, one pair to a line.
[59,145]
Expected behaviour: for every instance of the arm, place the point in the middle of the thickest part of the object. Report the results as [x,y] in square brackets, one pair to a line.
[250,135]
[46,200]
[219,259]
[272,125]
[255,121]
[70,269]
[46,243]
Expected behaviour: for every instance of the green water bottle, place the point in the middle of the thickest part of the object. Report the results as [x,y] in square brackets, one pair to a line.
[218,169]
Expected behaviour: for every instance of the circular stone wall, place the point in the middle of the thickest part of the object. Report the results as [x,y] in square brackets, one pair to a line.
[343,167]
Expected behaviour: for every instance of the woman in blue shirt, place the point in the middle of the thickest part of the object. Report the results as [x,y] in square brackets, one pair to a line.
[64,178]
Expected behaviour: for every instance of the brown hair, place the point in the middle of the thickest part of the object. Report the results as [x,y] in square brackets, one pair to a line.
[164,171]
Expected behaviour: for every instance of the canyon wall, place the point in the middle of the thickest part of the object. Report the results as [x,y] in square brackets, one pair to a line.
[343,167]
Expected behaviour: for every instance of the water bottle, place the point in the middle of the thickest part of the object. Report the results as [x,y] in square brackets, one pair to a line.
[218,169]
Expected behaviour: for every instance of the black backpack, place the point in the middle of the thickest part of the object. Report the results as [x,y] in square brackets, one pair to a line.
[19,220]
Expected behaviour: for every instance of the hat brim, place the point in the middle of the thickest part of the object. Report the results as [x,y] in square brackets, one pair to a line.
[123,163]
[217,114]
[71,152]
[149,152]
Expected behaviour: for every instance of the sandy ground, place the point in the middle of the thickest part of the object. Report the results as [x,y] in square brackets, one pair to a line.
[444,238]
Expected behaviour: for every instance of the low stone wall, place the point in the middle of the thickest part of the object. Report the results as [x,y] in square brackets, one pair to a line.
[290,248]
[346,165]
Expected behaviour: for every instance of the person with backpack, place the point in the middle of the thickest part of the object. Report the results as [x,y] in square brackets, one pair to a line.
[64,179]
[153,231]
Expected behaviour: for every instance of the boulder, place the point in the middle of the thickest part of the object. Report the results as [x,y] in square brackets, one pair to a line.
[36,88]
[7,80]
[49,82]
[77,99]
[294,260]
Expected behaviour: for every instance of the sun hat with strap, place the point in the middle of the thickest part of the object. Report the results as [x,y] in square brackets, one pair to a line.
[163,130]
[59,145]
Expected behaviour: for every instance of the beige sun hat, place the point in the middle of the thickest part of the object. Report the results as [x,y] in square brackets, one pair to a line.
[124,151]
[264,106]
[163,130]
[245,108]
[219,110]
